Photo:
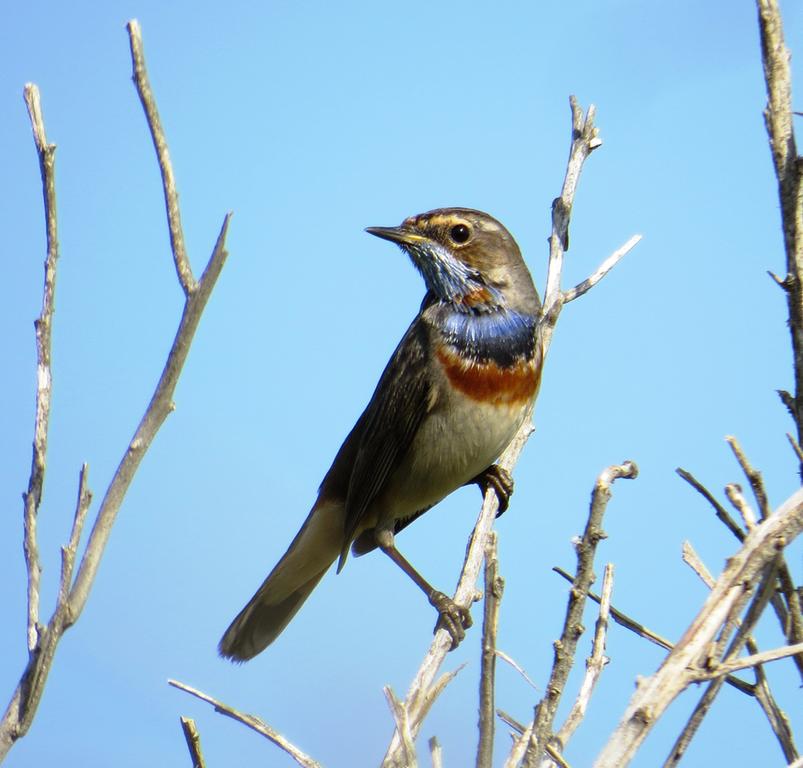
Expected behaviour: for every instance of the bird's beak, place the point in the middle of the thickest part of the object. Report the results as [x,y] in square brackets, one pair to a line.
[400,235]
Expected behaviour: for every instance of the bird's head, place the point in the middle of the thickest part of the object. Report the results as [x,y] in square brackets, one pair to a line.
[467,258]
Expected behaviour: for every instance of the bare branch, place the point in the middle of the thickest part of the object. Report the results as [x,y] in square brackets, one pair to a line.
[435,752]
[25,700]
[399,712]
[513,663]
[193,739]
[494,587]
[753,477]
[251,721]
[33,496]
[750,661]
[68,552]
[142,83]
[602,270]
[566,646]
[734,493]
[721,512]
[594,665]
[654,694]
[692,559]
[788,170]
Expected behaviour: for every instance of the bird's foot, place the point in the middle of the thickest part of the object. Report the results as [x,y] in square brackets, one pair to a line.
[500,480]
[451,617]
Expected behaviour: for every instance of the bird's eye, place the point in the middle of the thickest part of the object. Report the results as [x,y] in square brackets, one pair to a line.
[460,233]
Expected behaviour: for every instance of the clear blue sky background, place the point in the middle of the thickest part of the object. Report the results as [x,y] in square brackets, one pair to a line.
[311,121]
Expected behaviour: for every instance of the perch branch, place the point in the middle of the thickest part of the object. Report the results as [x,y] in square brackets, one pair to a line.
[252,722]
[584,141]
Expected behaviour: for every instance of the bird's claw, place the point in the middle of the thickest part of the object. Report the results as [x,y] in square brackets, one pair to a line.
[500,480]
[451,617]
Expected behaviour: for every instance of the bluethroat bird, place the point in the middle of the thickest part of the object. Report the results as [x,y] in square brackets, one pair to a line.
[453,395]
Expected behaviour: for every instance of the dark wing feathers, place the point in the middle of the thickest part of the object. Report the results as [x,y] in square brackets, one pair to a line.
[389,424]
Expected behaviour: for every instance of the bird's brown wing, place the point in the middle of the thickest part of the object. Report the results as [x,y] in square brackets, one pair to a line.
[389,424]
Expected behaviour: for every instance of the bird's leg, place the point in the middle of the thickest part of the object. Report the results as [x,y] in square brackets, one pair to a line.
[500,480]
[451,617]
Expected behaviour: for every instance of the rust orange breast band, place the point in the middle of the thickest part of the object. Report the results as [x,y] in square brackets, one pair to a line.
[489,382]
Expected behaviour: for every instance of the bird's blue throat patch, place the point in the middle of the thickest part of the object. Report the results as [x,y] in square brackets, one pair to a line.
[500,336]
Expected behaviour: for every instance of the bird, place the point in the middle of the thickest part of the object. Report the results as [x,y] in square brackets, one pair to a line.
[454,393]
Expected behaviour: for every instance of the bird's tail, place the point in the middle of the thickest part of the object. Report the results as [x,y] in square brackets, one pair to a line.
[288,585]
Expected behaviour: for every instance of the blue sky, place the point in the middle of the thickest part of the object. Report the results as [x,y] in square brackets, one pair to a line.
[311,122]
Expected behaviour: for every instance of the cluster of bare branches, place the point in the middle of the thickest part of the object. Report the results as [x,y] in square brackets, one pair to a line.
[712,648]
[74,587]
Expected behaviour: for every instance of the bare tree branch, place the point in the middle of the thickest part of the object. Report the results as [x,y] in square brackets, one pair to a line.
[566,646]
[602,270]
[778,117]
[721,512]
[594,664]
[33,496]
[253,722]
[143,85]
[193,739]
[72,597]
[494,587]
[655,693]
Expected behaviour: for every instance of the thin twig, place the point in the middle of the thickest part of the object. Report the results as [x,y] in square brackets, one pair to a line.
[566,646]
[494,587]
[753,477]
[435,752]
[143,85]
[399,712]
[752,660]
[734,493]
[193,739]
[594,664]
[33,496]
[720,511]
[513,663]
[622,618]
[251,721]
[602,270]
[692,559]
[68,552]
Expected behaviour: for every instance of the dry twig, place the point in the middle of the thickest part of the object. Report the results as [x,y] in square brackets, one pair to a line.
[73,594]
[494,587]
[193,739]
[253,722]
[566,646]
